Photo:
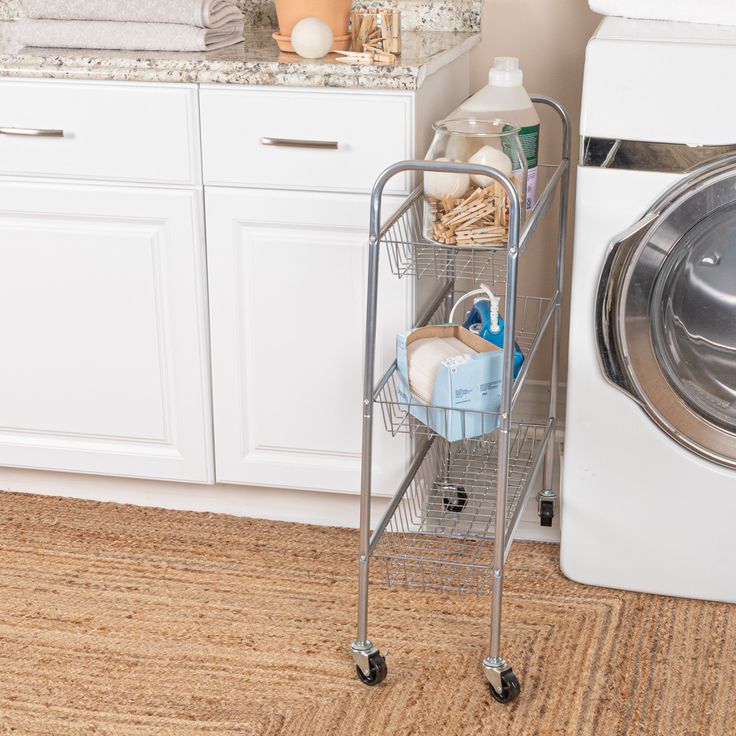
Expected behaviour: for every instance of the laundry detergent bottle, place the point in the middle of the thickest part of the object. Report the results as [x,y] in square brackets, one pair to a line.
[485,320]
[506,99]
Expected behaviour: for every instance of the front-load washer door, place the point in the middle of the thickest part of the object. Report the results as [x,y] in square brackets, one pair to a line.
[666,312]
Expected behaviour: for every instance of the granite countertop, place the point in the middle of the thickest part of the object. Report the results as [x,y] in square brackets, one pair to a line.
[255,61]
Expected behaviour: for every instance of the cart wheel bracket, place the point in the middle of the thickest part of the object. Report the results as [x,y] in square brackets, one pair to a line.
[362,652]
[546,506]
[370,664]
[503,683]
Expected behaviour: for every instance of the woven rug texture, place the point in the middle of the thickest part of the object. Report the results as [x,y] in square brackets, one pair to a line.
[117,620]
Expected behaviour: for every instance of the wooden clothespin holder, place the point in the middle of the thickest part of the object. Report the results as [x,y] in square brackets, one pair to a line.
[378,32]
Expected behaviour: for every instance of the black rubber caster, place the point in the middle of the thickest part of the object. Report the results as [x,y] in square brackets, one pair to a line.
[546,512]
[510,688]
[458,501]
[378,670]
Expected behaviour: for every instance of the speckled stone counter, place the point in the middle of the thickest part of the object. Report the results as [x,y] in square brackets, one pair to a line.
[255,61]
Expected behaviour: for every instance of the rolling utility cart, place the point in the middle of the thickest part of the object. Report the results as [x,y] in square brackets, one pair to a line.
[452,520]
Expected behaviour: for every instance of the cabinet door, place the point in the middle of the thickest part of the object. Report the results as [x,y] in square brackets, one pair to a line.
[287,274]
[103,324]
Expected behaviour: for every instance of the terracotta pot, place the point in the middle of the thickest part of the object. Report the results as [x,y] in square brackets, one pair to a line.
[336,13]
[341,43]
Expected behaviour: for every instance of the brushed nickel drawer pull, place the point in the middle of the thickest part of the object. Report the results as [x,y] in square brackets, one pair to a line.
[292,143]
[33,132]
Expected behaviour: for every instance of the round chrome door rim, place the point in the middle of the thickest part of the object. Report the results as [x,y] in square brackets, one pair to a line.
[677,215]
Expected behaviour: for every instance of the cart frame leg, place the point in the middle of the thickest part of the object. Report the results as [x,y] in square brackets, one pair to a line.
[362,648]
[547,496]
[494,665]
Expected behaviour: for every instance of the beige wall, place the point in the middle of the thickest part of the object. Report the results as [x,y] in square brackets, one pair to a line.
[549,37]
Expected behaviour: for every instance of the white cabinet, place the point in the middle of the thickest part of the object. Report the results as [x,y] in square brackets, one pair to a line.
[108,328]
[103,320]
[287,275]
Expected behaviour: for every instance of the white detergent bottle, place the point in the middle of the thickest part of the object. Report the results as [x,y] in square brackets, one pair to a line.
[505,98]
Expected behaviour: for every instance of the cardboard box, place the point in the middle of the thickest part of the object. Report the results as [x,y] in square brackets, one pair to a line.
[467,392]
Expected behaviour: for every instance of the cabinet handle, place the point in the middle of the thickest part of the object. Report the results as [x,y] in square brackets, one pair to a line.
[33,132]
[292,143]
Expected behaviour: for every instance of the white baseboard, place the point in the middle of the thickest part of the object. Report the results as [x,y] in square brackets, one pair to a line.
[282,504]
[279,504]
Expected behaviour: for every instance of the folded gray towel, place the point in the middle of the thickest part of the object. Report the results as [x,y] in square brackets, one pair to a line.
[95,34]
[201,13]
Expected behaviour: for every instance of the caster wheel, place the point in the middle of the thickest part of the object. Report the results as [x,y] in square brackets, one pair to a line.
[377,664]
[510,688]
[546,513]
[458,499]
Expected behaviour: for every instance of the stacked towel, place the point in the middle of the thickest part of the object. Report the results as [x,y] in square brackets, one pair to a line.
[716,12]
[145,25]
[199,13]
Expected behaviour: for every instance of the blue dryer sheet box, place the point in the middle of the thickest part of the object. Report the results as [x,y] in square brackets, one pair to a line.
[467,392]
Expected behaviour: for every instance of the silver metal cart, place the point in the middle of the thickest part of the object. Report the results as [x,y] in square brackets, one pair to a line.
[452,519]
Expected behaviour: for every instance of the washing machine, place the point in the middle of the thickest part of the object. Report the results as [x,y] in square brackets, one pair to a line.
[648,498]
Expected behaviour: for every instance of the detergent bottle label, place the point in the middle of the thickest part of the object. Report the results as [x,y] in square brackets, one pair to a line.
[530,143]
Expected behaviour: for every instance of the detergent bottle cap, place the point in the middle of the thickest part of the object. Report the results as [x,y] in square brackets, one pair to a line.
[506,72]
[495,326]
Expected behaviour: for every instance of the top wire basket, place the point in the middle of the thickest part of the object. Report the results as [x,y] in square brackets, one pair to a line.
[411,254]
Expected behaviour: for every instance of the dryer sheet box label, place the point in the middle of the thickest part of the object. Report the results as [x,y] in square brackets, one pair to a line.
[466,398]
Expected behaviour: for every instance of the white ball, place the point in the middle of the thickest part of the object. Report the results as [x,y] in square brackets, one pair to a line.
[439,184]
[493,157]
[312,38]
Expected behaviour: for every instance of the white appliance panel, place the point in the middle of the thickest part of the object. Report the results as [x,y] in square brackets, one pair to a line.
[655,81]
[639,511]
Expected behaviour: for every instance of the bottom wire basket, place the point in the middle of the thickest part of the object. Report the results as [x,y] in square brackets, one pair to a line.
[441,534]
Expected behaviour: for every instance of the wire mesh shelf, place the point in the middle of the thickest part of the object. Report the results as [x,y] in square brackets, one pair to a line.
[411,254]
[441,534]
[397,412]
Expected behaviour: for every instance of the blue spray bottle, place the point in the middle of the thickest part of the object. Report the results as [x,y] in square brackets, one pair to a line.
[485,320]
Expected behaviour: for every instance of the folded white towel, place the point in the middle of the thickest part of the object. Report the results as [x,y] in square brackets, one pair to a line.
[716,12]
[201,13]
[95,34]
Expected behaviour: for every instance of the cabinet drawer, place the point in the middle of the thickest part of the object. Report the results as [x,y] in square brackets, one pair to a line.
[323,140]
[115,131]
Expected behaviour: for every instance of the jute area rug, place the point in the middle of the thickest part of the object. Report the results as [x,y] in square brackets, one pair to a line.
[122,620]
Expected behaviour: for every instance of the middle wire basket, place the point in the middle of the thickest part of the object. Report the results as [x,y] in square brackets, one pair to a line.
[533,314]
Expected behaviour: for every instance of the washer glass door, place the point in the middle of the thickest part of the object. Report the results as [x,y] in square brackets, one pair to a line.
[667,313]
[694,318]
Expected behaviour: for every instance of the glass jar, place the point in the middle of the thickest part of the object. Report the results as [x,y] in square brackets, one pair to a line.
[473,211]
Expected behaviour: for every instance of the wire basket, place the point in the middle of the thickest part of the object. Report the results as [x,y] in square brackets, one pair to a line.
[411,254]
[396,412]
[441,534]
